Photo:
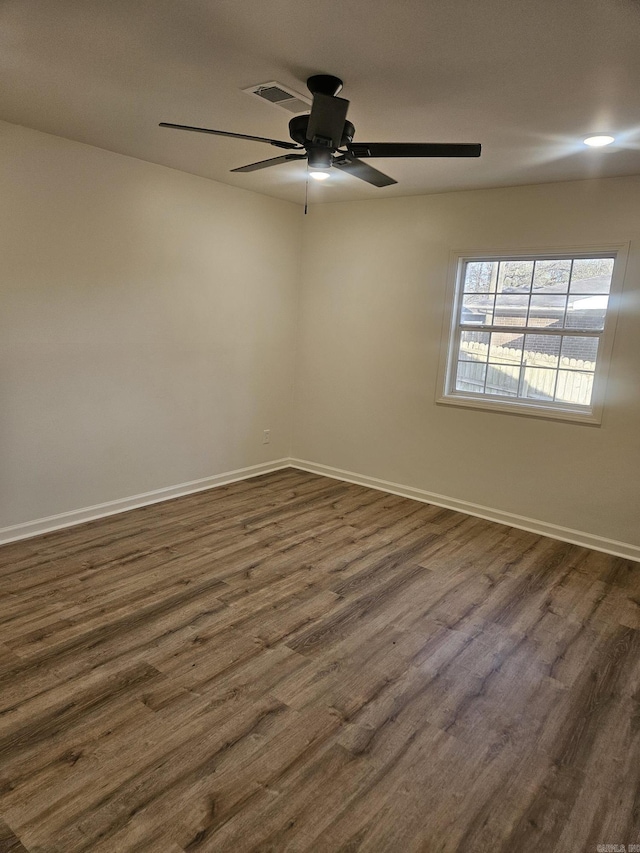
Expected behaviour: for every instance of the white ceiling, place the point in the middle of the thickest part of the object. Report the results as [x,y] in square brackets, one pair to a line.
[526,79]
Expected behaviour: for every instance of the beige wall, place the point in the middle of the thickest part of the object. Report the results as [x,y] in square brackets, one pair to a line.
[369,339]
[146,326]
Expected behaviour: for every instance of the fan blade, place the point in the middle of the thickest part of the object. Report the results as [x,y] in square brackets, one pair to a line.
[414,149]
[263,164]
[275,142]
[326,121]
[359,169]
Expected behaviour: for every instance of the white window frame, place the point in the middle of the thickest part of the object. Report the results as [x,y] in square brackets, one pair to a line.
[447,393]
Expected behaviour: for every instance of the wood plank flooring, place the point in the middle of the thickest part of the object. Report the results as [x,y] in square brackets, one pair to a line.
[293,663]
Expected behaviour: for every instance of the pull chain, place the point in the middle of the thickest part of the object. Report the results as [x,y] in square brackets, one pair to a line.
[306,193]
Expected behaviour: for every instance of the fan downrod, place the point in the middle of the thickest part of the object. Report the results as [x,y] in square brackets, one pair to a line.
[324,84]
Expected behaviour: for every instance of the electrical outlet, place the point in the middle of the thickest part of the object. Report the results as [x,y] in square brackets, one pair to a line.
[266,436]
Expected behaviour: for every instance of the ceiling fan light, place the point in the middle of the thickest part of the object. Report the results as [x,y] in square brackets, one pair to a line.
[318,175]
[599,141]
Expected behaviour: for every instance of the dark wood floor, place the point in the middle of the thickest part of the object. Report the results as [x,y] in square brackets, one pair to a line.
[292,663]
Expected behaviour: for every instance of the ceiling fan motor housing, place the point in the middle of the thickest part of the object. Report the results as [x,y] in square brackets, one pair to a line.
[298,132]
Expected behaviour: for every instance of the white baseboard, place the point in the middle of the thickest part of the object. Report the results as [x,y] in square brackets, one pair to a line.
[533,525]
[90,513]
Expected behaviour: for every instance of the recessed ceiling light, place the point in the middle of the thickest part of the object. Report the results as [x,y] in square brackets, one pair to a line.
[319,176]
[599,141]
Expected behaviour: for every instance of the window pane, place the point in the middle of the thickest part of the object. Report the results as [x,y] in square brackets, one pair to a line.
[506,348]
[515,276]
[546,310]
[579,352]
[477,308]
[538,383]
[480,276]
[542,350]
[552,276]
[474,346]
[470,376]
[503,379]
[574,387]
[586,312]
[511,309]
[591,275]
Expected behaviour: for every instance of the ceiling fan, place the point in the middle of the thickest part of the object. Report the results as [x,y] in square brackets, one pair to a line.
[326,137]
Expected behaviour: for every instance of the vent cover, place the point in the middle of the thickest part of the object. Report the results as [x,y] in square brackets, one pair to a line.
[280,96]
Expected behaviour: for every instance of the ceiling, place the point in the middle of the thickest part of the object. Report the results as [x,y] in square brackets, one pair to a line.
[527,80]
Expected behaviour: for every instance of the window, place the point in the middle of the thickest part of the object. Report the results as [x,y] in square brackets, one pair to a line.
[532,332]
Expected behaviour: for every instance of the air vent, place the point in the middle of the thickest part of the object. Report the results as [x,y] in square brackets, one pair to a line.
[280,96]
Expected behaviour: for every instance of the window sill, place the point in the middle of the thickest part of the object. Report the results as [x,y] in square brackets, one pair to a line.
[579,416]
